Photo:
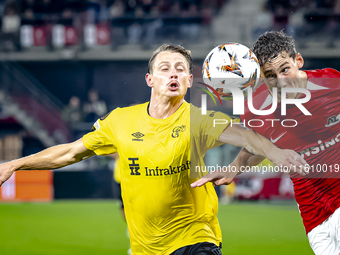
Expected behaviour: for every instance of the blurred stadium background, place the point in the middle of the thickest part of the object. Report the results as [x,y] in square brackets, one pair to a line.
[63,63]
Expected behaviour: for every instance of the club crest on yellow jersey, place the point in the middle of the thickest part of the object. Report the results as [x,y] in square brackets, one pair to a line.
[176,130]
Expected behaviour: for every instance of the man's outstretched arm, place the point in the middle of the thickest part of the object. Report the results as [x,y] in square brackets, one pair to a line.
[259,145]
[244,158]
[51,158]
[260,148]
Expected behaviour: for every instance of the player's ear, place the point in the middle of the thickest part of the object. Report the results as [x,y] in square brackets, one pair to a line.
[191,80]
[148,79]
[299,60]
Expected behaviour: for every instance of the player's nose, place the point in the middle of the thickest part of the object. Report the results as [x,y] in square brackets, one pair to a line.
[281,82]
[173,74]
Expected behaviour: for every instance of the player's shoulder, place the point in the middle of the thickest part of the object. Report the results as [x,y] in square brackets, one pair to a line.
[323,73]
[135,107]
[196,114]
[122,114]
[327,77]
[130,110]
[194,109]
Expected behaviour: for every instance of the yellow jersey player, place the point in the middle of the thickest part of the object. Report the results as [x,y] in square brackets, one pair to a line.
[159,142]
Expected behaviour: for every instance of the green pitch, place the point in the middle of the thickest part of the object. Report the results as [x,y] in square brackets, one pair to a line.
[86,227]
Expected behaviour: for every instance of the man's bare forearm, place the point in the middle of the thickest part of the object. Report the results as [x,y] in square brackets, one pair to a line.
[258,145]
[244,158]
[53,157]
[248,139]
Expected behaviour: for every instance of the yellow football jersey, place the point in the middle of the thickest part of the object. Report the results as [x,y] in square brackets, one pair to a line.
[117,171]
[163,212]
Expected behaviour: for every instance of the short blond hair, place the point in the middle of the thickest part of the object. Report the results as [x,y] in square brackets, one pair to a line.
[172,48]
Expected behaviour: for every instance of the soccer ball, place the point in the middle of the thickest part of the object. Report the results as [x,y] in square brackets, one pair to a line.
[230,64]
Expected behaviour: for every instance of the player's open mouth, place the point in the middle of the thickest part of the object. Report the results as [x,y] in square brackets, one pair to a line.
[173,85]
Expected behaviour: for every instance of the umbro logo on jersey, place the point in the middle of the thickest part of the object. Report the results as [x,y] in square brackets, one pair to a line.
[276,139]
[176,130]
[138,136]
[333,120]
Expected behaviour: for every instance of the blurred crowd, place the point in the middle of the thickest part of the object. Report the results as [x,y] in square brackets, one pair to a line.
[114,21]
[63,23]
[90,111]
[304,19]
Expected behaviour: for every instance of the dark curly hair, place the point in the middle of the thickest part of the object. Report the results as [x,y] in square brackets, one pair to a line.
[271,44]
[171,48]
